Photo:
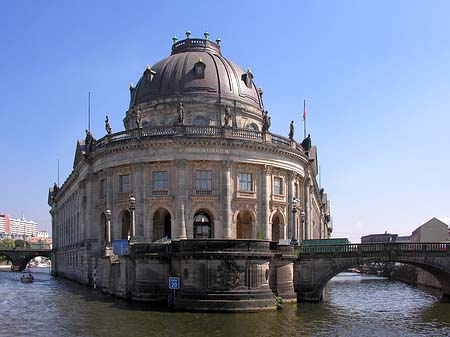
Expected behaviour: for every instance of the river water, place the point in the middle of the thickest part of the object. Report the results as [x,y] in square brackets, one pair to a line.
[354,305]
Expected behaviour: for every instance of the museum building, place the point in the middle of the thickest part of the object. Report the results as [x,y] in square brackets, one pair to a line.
[199,187]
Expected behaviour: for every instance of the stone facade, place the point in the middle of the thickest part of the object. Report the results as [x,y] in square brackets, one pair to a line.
[200,163]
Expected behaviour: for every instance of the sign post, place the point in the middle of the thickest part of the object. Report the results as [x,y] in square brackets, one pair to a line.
[174,284]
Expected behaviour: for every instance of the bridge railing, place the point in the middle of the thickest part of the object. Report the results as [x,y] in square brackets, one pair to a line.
[442,247]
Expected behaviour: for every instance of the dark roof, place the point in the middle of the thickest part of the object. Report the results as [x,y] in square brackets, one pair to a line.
[175,76]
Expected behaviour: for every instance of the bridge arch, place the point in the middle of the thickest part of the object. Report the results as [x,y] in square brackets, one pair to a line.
[315,272]
[20,257]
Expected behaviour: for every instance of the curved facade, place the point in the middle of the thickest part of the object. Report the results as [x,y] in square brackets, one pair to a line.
[198,157]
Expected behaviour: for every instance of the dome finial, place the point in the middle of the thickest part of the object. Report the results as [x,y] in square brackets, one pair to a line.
[188,34]
[174,39]
[206,35]
[218,41]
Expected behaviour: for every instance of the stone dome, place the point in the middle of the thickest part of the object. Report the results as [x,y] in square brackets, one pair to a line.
[197,68]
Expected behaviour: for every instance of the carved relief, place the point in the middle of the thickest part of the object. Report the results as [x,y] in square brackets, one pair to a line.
[228,275]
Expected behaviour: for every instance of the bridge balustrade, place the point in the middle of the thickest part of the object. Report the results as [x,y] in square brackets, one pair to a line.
[377,248]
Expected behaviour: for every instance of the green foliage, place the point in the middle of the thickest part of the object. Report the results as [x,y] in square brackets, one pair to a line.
[279,301]
[22,244]
[7,243]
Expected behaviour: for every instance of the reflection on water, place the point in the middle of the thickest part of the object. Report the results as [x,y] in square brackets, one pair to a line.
[354,305]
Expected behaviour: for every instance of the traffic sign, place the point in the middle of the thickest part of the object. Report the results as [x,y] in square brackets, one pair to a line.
[174,282]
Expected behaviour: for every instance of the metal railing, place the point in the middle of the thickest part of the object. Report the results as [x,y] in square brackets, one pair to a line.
[424,247]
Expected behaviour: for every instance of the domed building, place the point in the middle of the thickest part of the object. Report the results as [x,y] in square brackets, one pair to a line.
[196,186]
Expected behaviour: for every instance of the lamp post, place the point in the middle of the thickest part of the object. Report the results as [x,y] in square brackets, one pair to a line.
[302,220]
[108,226]
[294,240]
[132,213]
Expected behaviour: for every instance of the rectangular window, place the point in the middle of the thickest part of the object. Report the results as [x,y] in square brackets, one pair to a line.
[160,180]
[102,188]
[246,182]
[125,183]
[277,186]
[203,180]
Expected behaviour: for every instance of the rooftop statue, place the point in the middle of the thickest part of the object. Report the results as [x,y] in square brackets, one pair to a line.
[139,118]
[306,143]
[291,131]
[227,118]
[180,111]
[107,126]
[266,121]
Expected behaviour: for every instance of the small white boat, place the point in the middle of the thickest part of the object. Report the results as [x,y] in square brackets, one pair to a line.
[27,278]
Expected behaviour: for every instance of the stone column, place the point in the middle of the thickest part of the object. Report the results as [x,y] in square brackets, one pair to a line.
[109,197]
[180,199]
[108,226]
[266,228]
[90,224]
[139,193]
[225,199]
[293,234]
[308,208]
[183,224]
[133,217]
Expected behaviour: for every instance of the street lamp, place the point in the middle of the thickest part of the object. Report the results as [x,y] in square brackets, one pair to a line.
[302,220]
[294,240]
[132,211]
[108,226]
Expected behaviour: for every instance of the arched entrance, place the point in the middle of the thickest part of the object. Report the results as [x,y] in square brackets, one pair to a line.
[126,225]
[202,225]
[245,225]
[162,224]
[278,227]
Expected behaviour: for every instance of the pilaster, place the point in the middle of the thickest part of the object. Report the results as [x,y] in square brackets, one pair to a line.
[225,197]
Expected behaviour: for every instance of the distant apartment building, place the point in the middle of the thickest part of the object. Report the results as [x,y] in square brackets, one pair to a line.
[378,238]
[42,234]
[431,231]
[4,225]
[17,228]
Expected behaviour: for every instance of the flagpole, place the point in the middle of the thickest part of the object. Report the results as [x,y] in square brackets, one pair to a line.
[304,118]
[89,111]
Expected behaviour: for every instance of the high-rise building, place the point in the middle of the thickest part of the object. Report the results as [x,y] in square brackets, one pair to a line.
[17,228]
[4,225]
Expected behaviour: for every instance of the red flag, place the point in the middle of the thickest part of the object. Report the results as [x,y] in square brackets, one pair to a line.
[304,110]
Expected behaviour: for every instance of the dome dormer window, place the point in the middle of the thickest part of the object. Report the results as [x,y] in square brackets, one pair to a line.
[248,78]
[199,69]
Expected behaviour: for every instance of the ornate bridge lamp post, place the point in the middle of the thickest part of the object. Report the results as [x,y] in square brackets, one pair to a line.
[302,222]
[294,240]
[133,216]
[108,227]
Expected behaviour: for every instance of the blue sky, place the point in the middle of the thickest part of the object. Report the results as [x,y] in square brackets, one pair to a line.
[375,74]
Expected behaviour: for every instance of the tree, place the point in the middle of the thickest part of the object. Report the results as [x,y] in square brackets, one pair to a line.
[7,243]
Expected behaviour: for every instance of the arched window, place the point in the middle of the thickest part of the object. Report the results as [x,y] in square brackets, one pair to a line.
[253,126]
[202,226]
[162,224]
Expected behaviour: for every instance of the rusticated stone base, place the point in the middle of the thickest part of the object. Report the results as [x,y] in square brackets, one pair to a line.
[215,275]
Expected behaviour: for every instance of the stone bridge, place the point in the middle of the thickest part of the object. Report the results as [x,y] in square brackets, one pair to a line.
[316,265]
[20,257]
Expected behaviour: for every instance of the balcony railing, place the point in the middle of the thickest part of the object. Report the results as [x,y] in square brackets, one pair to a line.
[430,247]
[198,131]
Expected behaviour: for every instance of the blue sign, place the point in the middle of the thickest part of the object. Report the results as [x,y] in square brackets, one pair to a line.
[174,283]
[120,247]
